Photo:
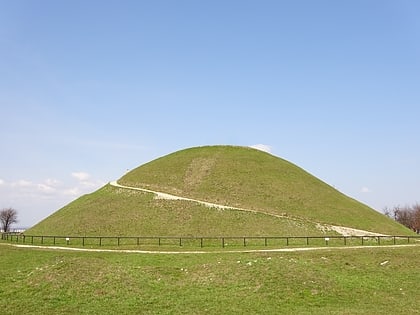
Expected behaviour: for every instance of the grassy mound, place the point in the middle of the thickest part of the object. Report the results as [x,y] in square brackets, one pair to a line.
[234,176]
[252,179]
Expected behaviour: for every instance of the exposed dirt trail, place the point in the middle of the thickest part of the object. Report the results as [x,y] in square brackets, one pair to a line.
[345,231]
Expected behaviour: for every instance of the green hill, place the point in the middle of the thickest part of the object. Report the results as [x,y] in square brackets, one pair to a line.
[286,199]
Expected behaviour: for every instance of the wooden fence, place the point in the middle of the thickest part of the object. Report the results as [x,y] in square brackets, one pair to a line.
[206,241]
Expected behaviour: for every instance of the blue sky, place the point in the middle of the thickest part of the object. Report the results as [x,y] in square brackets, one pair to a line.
[90,89]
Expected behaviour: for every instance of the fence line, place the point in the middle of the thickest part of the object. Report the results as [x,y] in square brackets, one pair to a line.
[208,241]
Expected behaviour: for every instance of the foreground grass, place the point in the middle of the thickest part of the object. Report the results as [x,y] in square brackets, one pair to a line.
[363,281]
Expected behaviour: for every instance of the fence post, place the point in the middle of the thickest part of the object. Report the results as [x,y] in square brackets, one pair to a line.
[201,242]
[223,242]
[180,241]
[244,241]
[265,241]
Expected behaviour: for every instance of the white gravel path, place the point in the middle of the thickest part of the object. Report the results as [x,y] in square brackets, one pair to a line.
[275,250]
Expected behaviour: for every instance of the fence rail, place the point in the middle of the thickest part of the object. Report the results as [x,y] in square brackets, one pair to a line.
[208,241]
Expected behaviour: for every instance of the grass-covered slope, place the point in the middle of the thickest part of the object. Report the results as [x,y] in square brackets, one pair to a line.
[249,178]
[112,211]
[235,176]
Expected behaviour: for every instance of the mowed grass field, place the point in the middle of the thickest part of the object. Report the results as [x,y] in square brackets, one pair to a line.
[380,280]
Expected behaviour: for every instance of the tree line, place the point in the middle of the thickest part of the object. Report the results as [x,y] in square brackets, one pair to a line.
[408,216]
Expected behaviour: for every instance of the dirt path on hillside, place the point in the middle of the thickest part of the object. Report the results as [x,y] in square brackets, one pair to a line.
[344,231]
[162,195]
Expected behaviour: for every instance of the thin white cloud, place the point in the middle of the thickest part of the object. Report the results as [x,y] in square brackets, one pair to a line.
[85,182]
[73,192]
[81,176]
[262,147]
[38,198]
[365,190]
[52,182]
[22,183]
[45,188]
[29,187]
[50,188]
[92,184]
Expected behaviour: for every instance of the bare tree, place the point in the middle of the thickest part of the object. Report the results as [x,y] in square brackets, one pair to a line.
[408,216]
[388,212]
[404,216]
[416,218]
[8,216]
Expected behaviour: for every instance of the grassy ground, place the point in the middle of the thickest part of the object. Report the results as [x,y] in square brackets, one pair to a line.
[378,280]
[115,211]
